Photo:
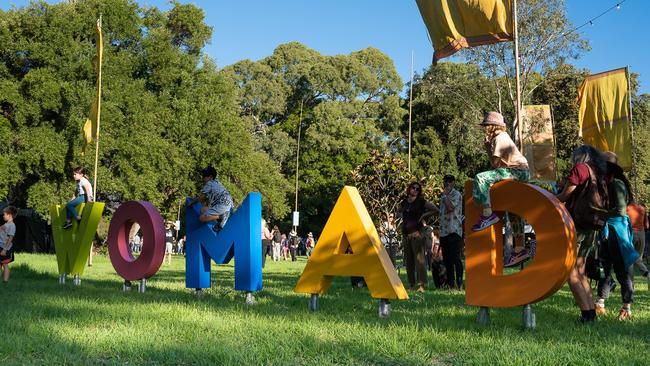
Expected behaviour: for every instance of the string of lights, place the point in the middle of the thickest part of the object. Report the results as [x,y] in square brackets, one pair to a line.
[592,20]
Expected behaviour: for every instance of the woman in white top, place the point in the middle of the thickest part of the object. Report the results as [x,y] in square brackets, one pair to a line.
[83,193]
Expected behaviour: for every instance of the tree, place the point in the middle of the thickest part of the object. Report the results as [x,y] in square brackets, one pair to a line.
[166,109]
[546,40]
[349,105]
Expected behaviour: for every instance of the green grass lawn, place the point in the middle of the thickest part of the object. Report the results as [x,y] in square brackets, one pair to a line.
[96,323]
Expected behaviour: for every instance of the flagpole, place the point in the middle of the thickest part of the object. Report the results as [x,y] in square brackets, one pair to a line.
[519,129]
[99,107]
[295,228]
[410,110]
[632,146]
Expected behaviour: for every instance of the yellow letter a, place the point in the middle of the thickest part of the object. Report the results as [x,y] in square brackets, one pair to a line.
[350,226]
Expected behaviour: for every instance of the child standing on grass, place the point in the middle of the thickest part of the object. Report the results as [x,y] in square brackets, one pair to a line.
[84,193]
[506,161]
[7,233]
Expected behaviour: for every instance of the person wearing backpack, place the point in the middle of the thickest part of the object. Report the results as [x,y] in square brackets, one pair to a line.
[617,250]
[585,197]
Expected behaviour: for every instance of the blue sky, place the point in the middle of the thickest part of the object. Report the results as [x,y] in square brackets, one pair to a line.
[251,29]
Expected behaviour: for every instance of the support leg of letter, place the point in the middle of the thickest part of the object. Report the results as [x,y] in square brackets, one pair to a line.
[384,308]
[77,280]
[528,318]
[143,286]
[250,298]
[483,317]
[62,279]
[313,302]
[126,286]
[198,293]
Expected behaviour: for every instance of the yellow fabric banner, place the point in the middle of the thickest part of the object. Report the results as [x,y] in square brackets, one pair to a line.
[457,24]
[539,144]
[91,126]
[604,115]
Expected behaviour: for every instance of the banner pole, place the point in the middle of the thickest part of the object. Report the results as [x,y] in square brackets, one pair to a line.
[99,106]
[632,144]
[519,129]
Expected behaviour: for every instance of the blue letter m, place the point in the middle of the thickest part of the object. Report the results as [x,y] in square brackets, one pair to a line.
[241,238]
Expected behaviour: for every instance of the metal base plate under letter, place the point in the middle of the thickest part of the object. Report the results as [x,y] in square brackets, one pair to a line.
[483,316]
[143,286]
[384,308]
[313,302]
[528,318]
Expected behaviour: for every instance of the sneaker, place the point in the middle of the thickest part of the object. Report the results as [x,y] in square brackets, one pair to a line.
[600,310]
[67,225]
[517,258]
[624,314]
[485,222]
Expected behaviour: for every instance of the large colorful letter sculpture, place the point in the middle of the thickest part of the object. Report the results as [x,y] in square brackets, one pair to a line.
[153,235]
[241,238]
[350,226]
[486,286]
[73,245]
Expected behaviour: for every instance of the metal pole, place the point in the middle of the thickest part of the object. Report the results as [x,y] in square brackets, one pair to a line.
[298,158]
[410,111]
[629,99]
[99,105]
[519,129]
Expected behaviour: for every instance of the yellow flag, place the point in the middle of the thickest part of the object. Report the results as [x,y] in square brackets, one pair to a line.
[91,126]
[539,143]
[457,24]
[604,114]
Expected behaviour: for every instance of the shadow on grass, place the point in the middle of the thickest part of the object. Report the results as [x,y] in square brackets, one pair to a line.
[437,312]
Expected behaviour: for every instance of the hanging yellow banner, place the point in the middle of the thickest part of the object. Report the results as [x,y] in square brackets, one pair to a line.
[604,114]
[454,25]
[539,144]
[91,126]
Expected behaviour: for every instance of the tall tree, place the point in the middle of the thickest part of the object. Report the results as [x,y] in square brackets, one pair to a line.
[167,110]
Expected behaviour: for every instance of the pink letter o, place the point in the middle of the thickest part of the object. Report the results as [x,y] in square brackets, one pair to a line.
[153,239]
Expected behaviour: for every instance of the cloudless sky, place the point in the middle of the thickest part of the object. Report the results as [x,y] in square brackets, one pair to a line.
[251,29]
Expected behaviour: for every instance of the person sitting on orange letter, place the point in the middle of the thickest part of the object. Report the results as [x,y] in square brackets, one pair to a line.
[506,161]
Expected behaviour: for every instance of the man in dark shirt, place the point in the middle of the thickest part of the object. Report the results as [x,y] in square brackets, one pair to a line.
[412,210]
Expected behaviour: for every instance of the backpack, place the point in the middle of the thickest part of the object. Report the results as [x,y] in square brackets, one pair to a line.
[589,209]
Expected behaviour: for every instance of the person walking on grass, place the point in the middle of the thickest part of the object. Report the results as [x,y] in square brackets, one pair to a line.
[506,161]
[639,218]
[294,242]
[584,188]
[277,243]
[451,232]
[83,194]
[285,247]
[266,241]
[169,242]
[310,243]
[7,234]
[617,250]
[412,210]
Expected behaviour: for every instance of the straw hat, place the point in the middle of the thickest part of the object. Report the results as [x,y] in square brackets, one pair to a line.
[493,119]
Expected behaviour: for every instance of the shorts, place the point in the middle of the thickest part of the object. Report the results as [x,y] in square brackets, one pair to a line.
[224,211]
[6,259]
[168,248]
[586,240]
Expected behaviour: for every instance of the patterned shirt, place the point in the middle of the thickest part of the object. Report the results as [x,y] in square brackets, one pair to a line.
[451,222]
[216,194]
